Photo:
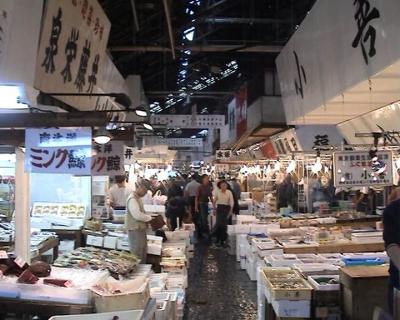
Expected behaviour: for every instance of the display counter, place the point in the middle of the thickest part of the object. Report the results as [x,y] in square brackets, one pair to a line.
[349,247]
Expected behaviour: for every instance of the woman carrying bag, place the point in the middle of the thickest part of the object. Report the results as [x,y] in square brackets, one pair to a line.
[223,209]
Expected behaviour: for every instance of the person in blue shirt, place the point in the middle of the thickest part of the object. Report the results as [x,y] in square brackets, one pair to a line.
[391,236]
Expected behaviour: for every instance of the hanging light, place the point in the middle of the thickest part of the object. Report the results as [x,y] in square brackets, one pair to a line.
[277,166]
[317,167]
[102,136]
[141,112]
[148,126]
[292,166]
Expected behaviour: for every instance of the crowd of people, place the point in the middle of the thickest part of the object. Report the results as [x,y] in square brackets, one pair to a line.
[194,198]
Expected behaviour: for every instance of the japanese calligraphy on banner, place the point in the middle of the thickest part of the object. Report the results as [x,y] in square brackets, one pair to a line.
[52,150]
[285,142]
[223,154]
[108,159]
[355,169]
[189,121]
[72,49]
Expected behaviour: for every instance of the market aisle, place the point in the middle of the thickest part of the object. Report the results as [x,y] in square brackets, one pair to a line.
[218,289]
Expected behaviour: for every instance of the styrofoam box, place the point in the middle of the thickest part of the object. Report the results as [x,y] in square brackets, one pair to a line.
[285,260]
[269,252]
[265,242]
[123,244]
[110,242]
[293,309]
[313,268]
[327,287]
[251,269]
[242,229]
[96,241]
[122,315]
[39,292]
[246,219]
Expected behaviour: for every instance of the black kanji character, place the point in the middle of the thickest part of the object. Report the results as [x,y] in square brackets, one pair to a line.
[97,148]
[71,135]
[366,32]
[70,54]
[321,140]
[113,163]
[80,77]
[57,136]
[76,161]
[128,153]
[44,137]
[92,79]
[108,148]
[100,161]
[52,49]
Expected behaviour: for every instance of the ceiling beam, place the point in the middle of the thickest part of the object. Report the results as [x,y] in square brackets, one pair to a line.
[197,93]
[250,21]
[52,119]
[203,48]
[169,25]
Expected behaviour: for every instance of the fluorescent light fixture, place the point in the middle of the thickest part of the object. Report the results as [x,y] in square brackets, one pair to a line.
[11,98]
[141,112]
[102,136]
[148,126]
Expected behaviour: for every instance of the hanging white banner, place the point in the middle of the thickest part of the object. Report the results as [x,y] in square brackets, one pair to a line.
[52,150]
[108,159]
[189,121]
[72,50]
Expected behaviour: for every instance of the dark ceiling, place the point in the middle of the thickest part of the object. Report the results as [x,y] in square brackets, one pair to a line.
[233,42]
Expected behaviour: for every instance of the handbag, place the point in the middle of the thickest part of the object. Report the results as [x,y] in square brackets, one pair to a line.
[157,223]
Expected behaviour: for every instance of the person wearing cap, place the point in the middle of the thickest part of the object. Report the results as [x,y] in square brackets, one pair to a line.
[136,222]
[119,193]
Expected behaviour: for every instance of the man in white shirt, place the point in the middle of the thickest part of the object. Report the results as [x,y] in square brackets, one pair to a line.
[136,222]
[119,193]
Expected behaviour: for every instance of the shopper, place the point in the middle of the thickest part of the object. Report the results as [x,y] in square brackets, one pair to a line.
[136,222]
[236,206]
[286,193]
[191,190]
[391,236]
[174,190]
[223,209]
[176,212]
[119,192]
[236,190]
[204,196]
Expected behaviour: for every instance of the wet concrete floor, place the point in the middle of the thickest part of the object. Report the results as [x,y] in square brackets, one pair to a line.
[218,288]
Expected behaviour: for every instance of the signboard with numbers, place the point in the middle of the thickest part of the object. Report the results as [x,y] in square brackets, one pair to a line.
[72,49]
[108,159]
[355,169]
[52,150]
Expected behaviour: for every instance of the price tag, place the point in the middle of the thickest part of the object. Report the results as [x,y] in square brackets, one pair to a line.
[3,254]
[20,262]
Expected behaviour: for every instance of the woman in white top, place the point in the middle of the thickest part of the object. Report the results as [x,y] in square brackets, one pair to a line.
[223,208]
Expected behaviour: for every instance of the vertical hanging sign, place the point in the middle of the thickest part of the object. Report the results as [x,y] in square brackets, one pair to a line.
[241,111]
[72,49]
[108,159]
[53,150]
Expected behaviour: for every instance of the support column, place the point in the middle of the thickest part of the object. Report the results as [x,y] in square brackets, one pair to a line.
[22,217]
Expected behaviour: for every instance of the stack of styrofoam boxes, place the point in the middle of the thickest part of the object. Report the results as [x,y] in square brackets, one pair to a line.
[284,260]
[253,260]
[291,303]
